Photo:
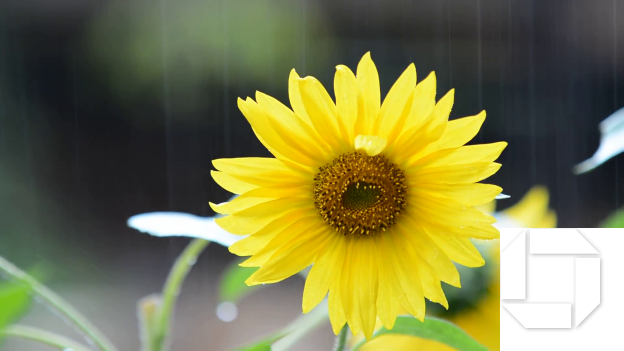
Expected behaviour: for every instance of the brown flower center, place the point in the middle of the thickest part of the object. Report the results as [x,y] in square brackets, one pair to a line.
[357,194]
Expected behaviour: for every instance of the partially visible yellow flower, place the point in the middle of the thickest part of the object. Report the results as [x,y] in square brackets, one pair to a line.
[379,197]
[483,321]
[530,212]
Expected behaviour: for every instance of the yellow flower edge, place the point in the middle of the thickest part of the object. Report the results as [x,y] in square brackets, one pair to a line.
[483,321]
[378,197]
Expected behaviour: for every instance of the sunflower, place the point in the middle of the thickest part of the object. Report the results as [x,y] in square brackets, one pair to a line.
[378,197]
[482,322]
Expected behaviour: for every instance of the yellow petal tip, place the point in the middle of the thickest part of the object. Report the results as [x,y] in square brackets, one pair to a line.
[251,281]
[372,145]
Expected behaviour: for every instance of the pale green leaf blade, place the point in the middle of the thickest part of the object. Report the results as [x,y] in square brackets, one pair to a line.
[433,329]
[263,344]
[15,300]
[232,285]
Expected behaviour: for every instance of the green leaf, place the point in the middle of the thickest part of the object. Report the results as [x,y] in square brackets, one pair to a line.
[232,286]
[264,344]
[433,329]
[615,220]
[14,302]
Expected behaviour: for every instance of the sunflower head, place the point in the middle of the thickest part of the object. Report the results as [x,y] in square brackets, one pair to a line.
[378,197]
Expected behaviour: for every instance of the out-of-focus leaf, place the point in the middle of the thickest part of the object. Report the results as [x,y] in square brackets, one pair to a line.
[147,308]
[14,302]
[433,329]
[615,220]
[611,142]
[232,286]
[264,344]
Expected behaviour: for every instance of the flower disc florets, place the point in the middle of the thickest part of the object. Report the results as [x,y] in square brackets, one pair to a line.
[357,194]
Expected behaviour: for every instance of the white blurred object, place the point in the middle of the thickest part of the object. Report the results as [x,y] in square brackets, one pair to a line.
[504,221]
[611,142]
[164,224]
[227,311]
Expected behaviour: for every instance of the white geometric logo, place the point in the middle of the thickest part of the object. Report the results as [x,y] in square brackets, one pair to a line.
[552,281]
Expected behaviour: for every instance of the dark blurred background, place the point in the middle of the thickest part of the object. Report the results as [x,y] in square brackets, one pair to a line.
[114,108]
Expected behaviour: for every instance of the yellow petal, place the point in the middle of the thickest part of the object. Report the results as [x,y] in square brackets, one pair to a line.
[294,130]
[264,172]
[422,103]
[460,250]
[334,305]
[255,218]
[230,183]
[366,282]
[251,198]
[396,106]
[295,97]
[460,155]
[432,288]
[439,116]
[368,84]
[429,252]
[322,110]
[323,273]
[258,240]
[457,133]
[453,174]
[346,90]
[430,283]
[531,209]
[387,304]
[467,221]
[300,229]
[268,136]
[372,145]
[291,258]
[411,289]
[347,283]
[549,220]
[466,194]
[417,138]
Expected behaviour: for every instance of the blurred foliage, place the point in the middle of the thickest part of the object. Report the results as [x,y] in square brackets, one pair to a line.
[475,284]
[139,45]
[15,301]
[615,220]
[264,344]
[432,329]
[232,285]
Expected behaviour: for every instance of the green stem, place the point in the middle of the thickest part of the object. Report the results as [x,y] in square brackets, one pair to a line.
[301,326]
[341,339]
[170,293]
[56,302]
[58,341]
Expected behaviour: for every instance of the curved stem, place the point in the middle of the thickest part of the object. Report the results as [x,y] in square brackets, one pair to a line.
[44,337]
[184,263]
[341,339]
[301,326]
[56,302]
